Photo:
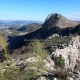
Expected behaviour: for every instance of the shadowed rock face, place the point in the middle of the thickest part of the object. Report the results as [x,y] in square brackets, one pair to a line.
[70,30]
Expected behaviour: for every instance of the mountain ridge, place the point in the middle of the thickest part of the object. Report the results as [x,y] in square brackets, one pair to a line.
[47,29]
[55,24]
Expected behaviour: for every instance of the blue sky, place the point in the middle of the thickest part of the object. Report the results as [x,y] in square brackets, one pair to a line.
[38,9]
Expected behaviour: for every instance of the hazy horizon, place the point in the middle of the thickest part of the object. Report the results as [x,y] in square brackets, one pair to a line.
[38,10]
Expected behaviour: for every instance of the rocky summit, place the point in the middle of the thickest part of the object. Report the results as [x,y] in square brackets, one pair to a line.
[58,20]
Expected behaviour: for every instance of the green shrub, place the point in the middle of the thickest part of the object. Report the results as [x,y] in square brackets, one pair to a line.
[62,74]
[4,46]
[16,74]
[37,48]
[59,61]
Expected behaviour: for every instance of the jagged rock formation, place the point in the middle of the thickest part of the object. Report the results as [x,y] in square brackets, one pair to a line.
[71,53]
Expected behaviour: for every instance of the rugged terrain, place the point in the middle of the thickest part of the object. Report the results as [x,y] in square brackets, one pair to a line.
[50,52]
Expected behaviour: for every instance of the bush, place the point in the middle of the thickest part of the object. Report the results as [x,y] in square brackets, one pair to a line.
[59,61]
[4,46]
[16,74]
[37,48]
[62,74]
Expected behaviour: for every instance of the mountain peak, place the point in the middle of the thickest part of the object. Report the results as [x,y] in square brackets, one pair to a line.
[58,20]
[54,15]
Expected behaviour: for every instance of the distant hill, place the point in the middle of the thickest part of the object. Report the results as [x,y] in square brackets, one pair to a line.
[30,28]
[9,22]
[5,24]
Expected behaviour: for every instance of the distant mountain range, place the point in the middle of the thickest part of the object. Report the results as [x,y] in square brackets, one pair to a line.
[18,22]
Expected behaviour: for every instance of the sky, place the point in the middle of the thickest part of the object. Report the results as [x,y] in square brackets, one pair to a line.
[38,9]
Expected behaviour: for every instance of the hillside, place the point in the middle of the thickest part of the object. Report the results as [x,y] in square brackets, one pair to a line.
[30,27]
[51,52]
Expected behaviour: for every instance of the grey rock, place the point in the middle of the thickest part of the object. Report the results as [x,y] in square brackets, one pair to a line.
[20,64]
[42,78]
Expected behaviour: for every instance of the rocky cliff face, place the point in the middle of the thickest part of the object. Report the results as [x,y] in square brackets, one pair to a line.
[71,54]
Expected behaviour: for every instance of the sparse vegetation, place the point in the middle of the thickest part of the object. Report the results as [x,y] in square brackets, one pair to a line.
[16,74]
[37,49]
[4,46]
[62,74]
[59,61]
